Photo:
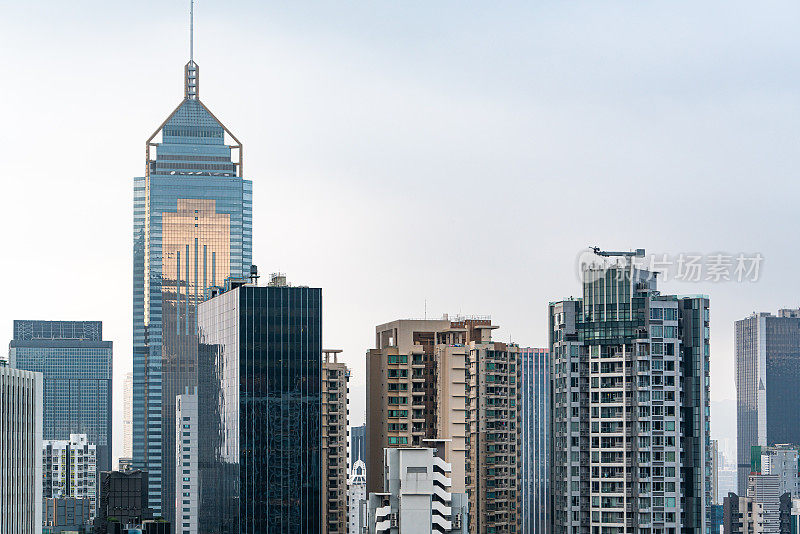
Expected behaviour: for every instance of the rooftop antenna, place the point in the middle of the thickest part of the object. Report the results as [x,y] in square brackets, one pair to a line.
[628,255]
[191,87]
[191,30]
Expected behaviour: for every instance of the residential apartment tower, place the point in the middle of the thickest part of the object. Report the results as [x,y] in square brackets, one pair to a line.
[334,413]
[630,446]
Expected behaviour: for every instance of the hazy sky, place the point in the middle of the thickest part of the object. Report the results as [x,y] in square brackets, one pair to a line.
[401,152]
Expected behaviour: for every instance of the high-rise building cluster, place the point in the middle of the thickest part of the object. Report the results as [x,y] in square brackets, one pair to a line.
[771,502]
[76,365]
[236,419]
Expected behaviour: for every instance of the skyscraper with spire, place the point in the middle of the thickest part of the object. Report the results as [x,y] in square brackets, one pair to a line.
[192,229]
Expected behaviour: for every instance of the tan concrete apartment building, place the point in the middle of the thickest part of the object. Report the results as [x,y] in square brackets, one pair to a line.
[494,451]
[418,389]
[334,416]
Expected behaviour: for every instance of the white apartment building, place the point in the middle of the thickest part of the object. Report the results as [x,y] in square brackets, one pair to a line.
[70,469]
[783,461]
[21,422]
[416,497]
[127,416]
[765,491]
[186,471]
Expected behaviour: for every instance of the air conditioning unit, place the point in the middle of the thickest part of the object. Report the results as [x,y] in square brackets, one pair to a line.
[393,521]
[456,521]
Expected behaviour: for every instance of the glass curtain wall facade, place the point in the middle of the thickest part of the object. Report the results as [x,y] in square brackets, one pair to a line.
[77,366]
[535,440]
[192,230]
[695,410]
[767,375]
[358,444]
[260,392]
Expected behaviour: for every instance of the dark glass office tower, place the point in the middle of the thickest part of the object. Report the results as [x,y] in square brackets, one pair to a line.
[535,440]
[77,367]
[767,378]
[358,444]
[259,393]
[192,229]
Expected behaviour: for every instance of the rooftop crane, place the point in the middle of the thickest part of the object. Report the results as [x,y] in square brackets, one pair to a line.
[638,253]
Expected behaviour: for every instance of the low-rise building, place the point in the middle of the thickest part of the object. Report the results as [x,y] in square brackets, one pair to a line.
[715,519]
[416,497]
[764,490]
[357,499]
[740,515]
[70,469]
[123,500]
[781,460]
[67,514]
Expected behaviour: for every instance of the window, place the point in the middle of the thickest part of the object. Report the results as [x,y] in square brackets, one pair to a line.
[656,331]
[398,358]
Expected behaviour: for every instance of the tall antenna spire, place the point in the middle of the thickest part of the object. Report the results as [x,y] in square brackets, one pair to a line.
[191,30]
[191,79]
